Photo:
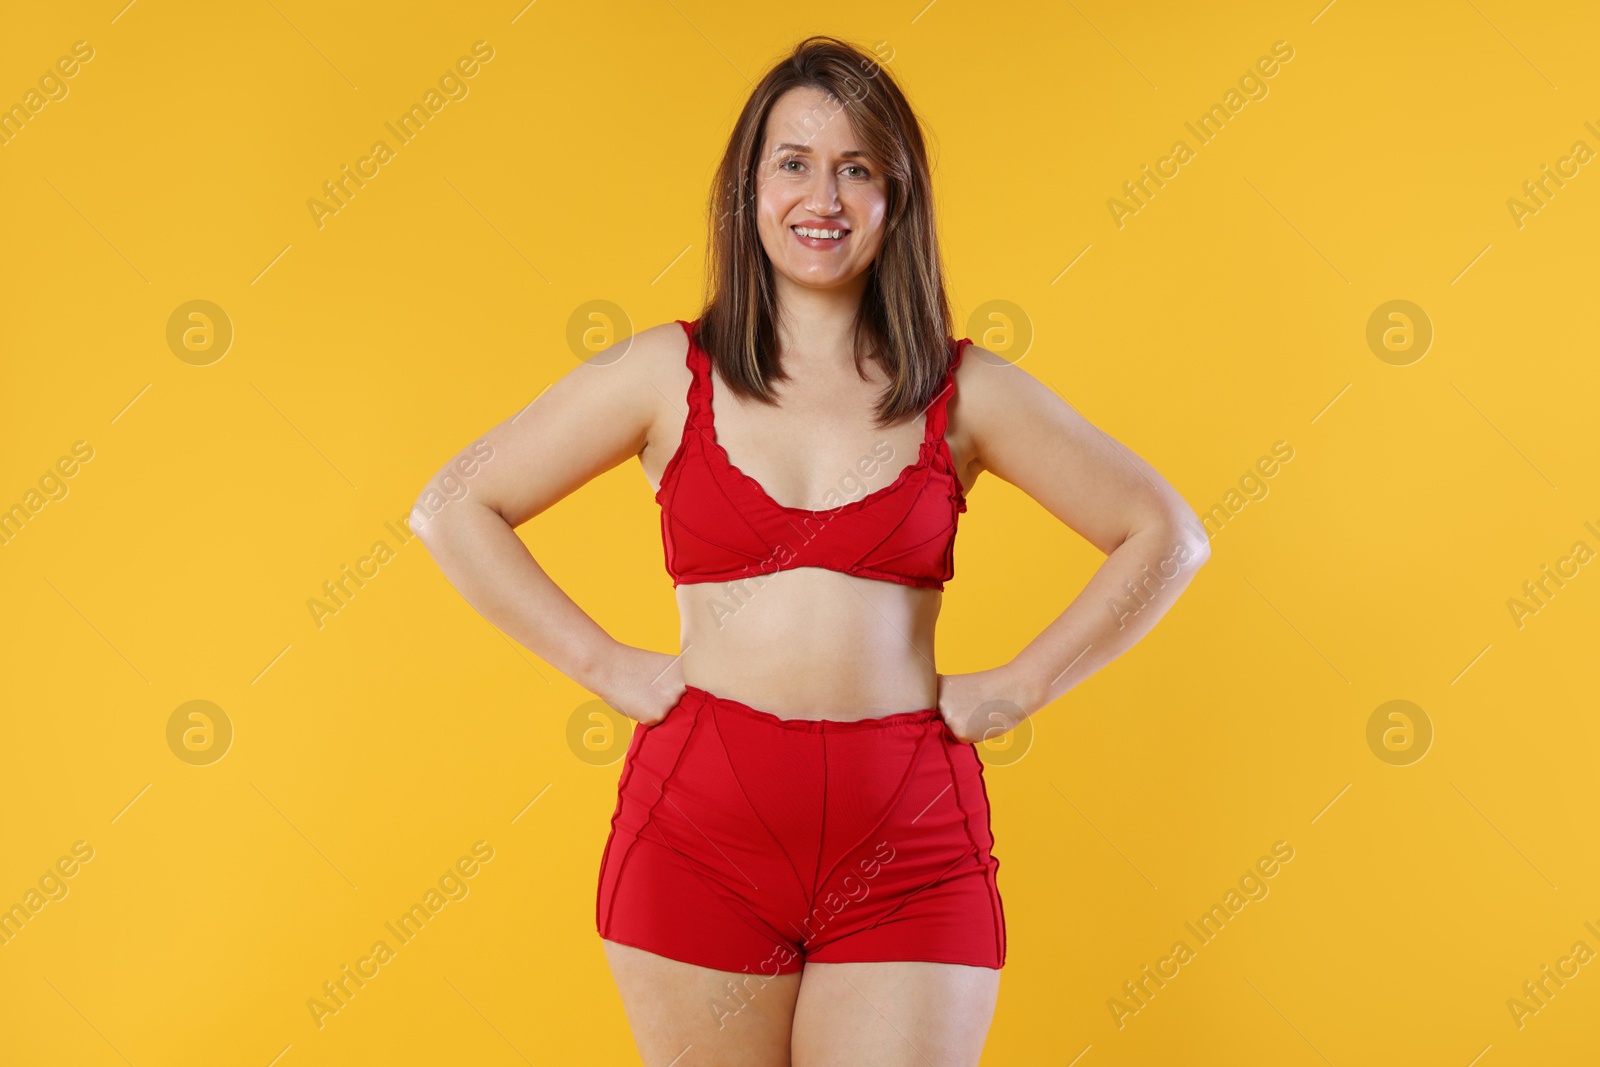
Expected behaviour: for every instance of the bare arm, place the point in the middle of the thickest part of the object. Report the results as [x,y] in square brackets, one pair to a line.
[590,420]
[1028,436]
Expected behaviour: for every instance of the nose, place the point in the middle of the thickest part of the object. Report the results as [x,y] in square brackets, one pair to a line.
[822,198]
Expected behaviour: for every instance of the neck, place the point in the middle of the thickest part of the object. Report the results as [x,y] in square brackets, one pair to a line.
[816,327]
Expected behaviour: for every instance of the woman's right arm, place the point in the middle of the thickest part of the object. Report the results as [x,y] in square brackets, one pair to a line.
[596,416]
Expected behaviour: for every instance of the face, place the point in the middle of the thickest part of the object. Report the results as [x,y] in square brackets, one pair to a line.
[812,175]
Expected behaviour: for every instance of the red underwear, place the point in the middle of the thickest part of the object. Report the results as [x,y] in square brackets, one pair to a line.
[744,841]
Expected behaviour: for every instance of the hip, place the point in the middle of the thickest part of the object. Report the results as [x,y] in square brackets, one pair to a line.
[764,791]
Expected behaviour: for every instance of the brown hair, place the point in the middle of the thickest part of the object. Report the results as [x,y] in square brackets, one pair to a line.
[904,319]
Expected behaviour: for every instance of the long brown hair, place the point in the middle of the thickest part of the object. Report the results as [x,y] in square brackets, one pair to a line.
[904,321]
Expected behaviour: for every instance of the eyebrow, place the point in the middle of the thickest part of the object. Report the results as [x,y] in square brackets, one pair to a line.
[790,146]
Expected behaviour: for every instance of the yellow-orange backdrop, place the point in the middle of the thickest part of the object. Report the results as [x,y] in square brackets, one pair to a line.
[190,475]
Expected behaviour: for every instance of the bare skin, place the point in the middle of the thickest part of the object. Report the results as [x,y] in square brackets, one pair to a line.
[812,643]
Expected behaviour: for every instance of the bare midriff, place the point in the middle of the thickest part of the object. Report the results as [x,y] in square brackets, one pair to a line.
[809,643]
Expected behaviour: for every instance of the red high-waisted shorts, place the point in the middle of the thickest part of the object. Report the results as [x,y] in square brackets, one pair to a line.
[743,841]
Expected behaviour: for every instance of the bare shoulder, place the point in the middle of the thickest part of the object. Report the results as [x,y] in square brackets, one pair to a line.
[604,410]
[995,387]
[1022,429]
[650,352]
[660,355]
[662,344]
[661,366]
[988,390]
[647,379]
[647,374]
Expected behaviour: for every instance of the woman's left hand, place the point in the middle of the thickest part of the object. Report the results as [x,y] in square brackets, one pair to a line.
[985,704]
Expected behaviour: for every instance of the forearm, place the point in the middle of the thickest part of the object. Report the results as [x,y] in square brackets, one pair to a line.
[482,556]
[1130,592]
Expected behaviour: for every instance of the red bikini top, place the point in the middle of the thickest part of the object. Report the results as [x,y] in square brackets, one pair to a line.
[718,524]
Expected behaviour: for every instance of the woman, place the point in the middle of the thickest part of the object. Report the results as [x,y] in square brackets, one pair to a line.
[799,867]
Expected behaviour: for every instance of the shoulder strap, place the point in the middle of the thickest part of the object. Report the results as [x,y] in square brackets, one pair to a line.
[938,414]
[699,363]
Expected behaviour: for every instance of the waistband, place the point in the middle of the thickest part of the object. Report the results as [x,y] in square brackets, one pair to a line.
[898,719]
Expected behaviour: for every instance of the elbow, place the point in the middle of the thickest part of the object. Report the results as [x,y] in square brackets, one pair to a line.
[1181,536]
[420,520]
[427,511]
[434,513]
[1185,531]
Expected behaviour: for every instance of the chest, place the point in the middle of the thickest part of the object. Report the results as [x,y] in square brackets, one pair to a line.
[817,448]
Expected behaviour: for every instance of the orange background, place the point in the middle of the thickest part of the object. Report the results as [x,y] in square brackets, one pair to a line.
[370,752]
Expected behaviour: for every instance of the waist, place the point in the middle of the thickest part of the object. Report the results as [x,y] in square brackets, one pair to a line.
[812,644]
[841,721]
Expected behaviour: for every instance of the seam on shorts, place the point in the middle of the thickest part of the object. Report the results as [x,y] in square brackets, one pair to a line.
[996,915]
[789,859]
[889,809]
[622,865]
[935,880]
[736,907]
[611,838]
[822,823]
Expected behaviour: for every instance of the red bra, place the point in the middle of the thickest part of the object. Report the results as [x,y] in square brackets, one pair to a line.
[718,524]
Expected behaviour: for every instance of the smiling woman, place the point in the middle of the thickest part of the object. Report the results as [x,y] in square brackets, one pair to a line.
[806,739]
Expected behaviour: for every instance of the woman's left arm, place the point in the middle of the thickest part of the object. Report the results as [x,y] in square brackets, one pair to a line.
[1027,435]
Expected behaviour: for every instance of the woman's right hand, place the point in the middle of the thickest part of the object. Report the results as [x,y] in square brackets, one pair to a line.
[641,684]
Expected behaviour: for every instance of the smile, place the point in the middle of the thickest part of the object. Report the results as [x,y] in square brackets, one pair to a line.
[819,238]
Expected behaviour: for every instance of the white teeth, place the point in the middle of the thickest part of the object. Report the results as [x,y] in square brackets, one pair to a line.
[805,232]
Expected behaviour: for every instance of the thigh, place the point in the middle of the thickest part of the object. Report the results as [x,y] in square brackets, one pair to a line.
[908,1013]
[692,1016]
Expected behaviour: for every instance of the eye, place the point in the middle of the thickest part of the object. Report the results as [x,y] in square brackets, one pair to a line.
[785,163]
[863,170]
